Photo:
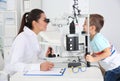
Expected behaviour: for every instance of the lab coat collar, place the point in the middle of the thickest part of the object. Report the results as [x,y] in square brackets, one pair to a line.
[33,38]
[29,31]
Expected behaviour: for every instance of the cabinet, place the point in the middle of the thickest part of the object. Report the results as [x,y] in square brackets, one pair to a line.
[10,18]
[8,29]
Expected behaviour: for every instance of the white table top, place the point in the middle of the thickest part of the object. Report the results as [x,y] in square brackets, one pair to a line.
[91,74]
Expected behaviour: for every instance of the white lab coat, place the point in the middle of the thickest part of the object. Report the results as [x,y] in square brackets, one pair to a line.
[25,53]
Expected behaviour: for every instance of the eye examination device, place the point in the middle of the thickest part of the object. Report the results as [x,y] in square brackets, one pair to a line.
[74,42]
[72,39]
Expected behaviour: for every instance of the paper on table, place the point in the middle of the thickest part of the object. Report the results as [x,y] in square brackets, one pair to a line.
[52,72]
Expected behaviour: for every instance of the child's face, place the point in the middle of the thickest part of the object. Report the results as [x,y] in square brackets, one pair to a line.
[85,27]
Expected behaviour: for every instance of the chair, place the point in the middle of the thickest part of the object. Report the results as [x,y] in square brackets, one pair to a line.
[3,75]
[1,60]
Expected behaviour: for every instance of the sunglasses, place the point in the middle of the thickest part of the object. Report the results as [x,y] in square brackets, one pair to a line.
[47,20]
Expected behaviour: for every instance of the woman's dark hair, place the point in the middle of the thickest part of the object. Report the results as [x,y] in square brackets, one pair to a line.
[28,17]
[97,20]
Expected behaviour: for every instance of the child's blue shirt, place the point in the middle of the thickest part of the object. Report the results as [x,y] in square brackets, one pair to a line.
[99,43]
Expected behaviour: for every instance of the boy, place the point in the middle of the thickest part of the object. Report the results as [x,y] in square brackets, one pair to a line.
[103,51]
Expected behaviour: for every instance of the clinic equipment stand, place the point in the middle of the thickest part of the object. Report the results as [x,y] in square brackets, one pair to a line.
[86,49]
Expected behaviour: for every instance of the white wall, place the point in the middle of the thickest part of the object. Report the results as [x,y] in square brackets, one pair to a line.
[110,9]
[35,4]
[56,8]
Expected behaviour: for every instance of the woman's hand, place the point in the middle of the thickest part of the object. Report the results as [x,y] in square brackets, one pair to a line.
[45,66]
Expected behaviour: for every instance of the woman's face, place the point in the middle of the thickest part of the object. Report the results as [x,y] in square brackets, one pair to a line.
[40,25]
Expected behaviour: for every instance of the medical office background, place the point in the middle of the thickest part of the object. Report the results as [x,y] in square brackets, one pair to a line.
[11,12]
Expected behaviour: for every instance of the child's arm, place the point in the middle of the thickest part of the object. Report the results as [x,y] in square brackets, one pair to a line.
[105,53]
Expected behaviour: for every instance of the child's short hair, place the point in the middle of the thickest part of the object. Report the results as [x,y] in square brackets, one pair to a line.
[97,20]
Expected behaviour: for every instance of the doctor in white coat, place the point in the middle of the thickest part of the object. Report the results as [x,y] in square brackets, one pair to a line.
[26,52]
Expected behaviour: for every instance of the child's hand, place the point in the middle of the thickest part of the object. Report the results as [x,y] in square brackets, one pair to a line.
[90,58]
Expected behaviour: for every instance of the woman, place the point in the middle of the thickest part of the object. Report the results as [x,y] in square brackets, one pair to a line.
[25,52]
